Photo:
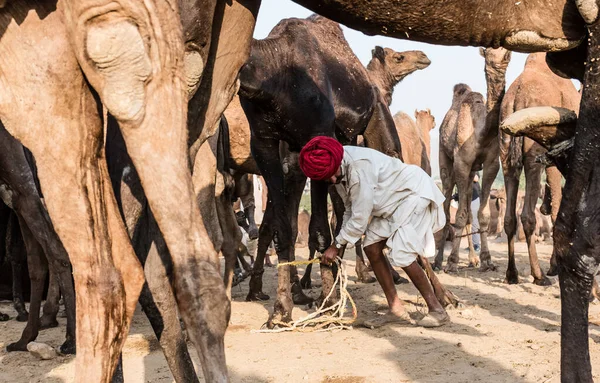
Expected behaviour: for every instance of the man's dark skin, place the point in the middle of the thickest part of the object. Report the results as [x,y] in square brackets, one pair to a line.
[379,263]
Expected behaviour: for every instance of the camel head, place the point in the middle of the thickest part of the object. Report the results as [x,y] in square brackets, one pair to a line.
[398,65]
[425,119]
[496,58]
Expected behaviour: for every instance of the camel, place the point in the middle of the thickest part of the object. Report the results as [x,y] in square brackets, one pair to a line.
[274,113]
[469,143]
[102,46]
[536,86]
[414,137]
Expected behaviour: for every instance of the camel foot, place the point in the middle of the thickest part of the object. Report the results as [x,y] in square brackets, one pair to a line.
[280,316]
[48,322]
[365,277]
[398,280]
[22,317]
[544,281]
[258,296]
[298,296]
[487,266]
[437,266]
[68,347]
[552,271]
[253,232]
[17,346]
[4,317]
[434,319]
[451,267]
[387,318]
[511,278]
[306,281]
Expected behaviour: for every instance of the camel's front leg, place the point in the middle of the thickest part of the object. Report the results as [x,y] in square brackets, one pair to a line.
[490,170]
[132,53]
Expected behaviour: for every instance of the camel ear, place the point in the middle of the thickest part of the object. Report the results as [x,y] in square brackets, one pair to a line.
[428,110]
[416,113]
[379,53]
[482,51]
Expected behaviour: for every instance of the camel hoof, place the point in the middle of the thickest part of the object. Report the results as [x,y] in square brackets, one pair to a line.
[47,322]
[259,296]
[398,280]
[306,282]
[487,266]
[368,279]
[451,268]
[512,279]
[68,348]
[17,346]
[552,271]
[253,232]
[22,317]
[542,282]
[298,296]
[436,267]
[3,317]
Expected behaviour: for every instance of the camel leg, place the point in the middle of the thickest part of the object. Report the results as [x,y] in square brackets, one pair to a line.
[246,194]
[361,268]
[295,181]
[26,201]
[265,236]
[512,174]
[17,254]
[266,154]
[448,182]
[51,307]
[38,270]
[473,259]
[577,226]
[553,182]
[160,307]
[306,281]
[533,173]
[444,296]
[490,171]
[464,182]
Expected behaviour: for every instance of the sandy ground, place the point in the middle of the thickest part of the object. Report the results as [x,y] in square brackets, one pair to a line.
[505,334]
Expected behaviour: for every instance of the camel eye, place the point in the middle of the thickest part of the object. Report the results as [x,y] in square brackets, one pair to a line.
[399,59]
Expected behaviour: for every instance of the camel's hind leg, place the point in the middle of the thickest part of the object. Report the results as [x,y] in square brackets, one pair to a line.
[490,171]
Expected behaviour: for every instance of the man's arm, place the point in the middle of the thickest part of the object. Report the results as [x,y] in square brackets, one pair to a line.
[356,219]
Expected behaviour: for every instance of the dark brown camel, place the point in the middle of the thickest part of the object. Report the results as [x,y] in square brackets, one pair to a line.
[535,26]
[469,143]
[536,86]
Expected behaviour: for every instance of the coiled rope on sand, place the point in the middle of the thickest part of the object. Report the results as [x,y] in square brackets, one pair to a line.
[326,317]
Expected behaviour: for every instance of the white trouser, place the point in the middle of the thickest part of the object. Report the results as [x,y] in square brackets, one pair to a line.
[475,222]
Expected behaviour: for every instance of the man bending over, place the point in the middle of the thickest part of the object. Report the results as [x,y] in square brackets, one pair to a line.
[394,205]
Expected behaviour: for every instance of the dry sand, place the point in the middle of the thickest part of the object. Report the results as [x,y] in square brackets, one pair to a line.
[504,334]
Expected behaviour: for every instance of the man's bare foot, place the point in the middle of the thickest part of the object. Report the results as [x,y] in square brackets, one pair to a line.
[434,319]
[387,318]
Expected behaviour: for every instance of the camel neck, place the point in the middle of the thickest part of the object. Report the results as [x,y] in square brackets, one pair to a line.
[382,79]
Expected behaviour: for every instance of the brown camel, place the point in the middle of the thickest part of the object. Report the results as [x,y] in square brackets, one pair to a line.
[469,143]
[536,86]
[135,77]
[414,137]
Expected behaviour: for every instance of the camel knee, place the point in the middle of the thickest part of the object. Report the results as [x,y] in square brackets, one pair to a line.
[461,219]
[120,58]
[529,222]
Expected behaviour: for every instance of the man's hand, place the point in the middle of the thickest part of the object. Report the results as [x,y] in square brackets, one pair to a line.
[329,255]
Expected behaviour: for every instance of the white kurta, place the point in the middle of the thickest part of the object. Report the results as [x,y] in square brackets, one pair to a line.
[386,199]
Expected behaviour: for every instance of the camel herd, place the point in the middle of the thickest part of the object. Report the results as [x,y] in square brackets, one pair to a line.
[119,169]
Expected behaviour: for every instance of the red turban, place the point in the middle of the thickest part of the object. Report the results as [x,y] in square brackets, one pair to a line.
[321,158]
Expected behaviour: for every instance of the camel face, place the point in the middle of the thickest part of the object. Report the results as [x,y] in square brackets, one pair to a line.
[425,120]
[401,64]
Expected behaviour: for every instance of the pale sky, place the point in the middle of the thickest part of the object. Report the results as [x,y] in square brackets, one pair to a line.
[429,88]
